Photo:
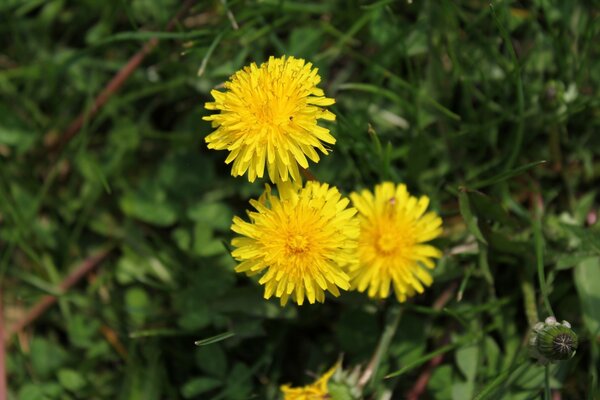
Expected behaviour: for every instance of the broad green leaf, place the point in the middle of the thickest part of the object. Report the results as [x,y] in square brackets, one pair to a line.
[149,204]
[211,359]
[71,380]
[137,303]
[197,386]
[31,391]
[211,215]
[46,356]
[82,331]
[491,351]
[587,282]
[440,384]
[462,390]
[205,244]
[467,359]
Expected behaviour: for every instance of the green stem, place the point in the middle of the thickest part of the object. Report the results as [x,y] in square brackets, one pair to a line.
[392,322]
[500,379]
[529,301]
[539,256]
[518,81]
[547,382]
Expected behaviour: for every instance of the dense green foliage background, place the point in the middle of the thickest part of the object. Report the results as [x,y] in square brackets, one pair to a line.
[449,97]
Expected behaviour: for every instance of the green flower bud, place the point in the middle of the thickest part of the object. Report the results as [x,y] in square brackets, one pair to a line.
[344,385]
[552,341]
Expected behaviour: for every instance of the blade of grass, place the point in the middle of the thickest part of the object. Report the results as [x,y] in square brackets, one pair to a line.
[505,175]
[214,339]
[208,54]
[468,216]
[154,332]
[442,350]
[3,386]
[518,82]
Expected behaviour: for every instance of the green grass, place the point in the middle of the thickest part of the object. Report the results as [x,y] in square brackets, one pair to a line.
[461,101]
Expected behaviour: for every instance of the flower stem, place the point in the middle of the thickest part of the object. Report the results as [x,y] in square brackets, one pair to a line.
[547,382]
[392,321]
[539,252]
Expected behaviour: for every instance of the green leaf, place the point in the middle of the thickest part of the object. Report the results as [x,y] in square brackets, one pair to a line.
[491,352]
[239,386]
[197,386]
[71,380]
[137,303]
[566,261]
[149,204]
[466,359]
[136,267]
[587,282]
[13,132]
[212,360]
[462,390]
[46,357]
[440,384]
[205,244]
[82,331]
[468,216]
[32,391]
[211,215]
[588,238]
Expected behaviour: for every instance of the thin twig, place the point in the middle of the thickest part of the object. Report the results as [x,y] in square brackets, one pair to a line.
[445,297]
[46,302]
[421,384]
[3,387]
[118,80]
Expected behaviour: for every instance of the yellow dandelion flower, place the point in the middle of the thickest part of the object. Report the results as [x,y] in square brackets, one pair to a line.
[268,115]
[315,391]
[302,240]
[391,248]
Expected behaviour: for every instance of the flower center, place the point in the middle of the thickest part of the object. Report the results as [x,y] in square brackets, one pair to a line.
[386,243]
[297,244]
[273,112]
[394,240]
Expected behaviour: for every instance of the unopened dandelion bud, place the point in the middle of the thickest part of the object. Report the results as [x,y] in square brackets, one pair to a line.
[345,385]
[552,341]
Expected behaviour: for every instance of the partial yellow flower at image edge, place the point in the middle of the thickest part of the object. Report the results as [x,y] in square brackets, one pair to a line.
[301,241]
[315,391]
[267,118]
[392,247]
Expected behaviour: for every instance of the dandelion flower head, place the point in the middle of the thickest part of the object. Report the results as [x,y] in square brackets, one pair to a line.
[315,391]
[300,240]
[392,248]
[268,116]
